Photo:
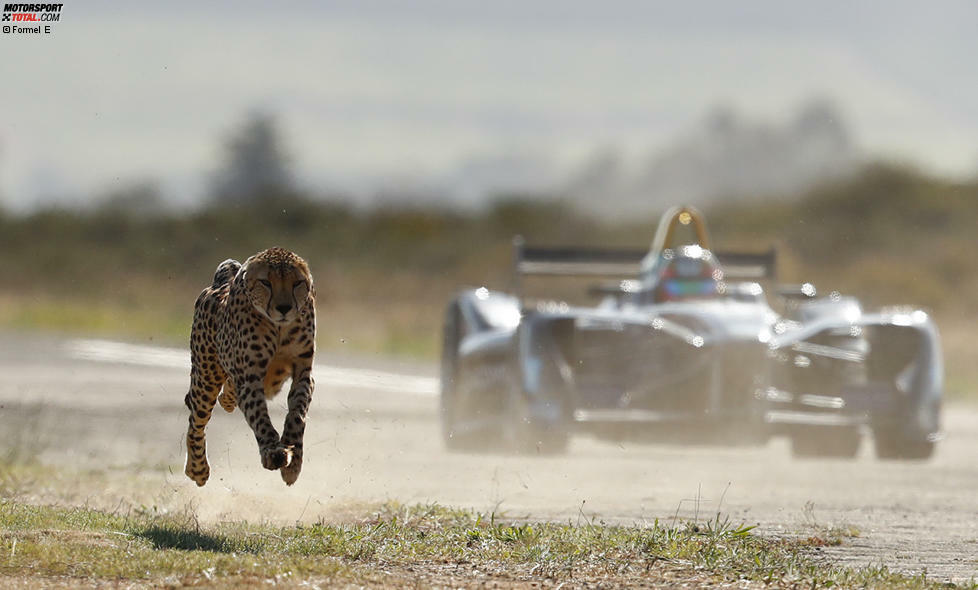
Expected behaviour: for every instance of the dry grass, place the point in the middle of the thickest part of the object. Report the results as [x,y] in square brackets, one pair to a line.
[399,546]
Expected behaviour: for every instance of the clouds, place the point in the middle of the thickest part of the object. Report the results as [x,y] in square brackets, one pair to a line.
[368,89]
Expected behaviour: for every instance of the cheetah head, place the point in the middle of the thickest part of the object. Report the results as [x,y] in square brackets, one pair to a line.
[278,284]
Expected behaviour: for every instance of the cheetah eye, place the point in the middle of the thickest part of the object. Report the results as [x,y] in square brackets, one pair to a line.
[265,282]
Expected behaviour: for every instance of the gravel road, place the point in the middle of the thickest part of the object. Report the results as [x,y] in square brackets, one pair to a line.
[373,436]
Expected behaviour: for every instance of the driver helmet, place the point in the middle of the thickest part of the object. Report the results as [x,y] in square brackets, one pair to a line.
[689,272]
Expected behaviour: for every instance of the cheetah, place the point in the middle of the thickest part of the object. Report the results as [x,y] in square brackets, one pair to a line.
[253,328]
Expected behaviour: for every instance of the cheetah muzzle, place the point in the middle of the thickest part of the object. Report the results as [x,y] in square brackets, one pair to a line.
[254,328]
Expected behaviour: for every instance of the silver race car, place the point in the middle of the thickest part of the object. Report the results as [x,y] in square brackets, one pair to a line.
[684,346]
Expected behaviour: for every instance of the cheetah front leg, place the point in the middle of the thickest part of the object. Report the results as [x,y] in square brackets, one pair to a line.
[200,401]
[300,396]
[251,400]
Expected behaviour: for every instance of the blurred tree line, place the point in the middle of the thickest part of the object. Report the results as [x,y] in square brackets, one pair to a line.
[887,233]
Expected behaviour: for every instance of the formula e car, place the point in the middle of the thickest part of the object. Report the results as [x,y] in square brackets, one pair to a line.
[685,346]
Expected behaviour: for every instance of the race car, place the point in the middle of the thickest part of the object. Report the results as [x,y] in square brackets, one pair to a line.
[684,346]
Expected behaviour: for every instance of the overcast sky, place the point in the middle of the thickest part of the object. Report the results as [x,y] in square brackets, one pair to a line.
[124,91]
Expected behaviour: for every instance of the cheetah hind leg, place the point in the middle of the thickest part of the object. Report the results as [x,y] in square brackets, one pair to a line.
[228,399]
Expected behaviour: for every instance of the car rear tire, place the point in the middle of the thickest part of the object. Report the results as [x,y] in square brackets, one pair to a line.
[837,442]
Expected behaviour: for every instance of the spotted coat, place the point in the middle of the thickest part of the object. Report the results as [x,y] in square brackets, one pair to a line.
[253,328]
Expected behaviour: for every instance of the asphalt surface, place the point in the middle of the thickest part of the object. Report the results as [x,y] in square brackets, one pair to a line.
[373,436]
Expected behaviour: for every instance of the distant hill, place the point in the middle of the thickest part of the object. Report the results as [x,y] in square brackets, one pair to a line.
[725,158]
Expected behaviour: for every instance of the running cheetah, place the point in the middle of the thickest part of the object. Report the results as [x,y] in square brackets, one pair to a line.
[253,328]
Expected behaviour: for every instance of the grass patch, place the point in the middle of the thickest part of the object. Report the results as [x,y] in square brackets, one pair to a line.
[407,329]
[425,545]
[161,322]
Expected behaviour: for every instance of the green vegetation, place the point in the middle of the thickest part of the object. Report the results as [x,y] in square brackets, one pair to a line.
[889,235]
[399,545]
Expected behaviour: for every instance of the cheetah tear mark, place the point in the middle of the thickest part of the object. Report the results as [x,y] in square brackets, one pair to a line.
[106,351]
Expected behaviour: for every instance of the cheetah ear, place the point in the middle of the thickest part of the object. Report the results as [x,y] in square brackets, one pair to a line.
[249,268]
[244,270]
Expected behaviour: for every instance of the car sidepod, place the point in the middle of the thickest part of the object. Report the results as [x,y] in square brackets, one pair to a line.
[835,377]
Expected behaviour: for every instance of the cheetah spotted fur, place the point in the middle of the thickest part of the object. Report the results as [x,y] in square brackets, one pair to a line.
[253,328]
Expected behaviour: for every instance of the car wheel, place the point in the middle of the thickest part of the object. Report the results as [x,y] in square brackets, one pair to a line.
[452,436]
[455,437]
[521,435]
[892,444]
[830,442]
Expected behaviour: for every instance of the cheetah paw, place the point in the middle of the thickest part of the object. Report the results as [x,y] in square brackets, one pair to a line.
[290,472]
[199,474]
[227,401]
[276,457]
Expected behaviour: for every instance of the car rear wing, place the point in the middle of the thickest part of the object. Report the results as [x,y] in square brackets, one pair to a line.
[575,262]
[625,263]
[748,266]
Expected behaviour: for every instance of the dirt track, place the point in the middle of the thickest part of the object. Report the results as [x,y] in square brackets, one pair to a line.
[367,442]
